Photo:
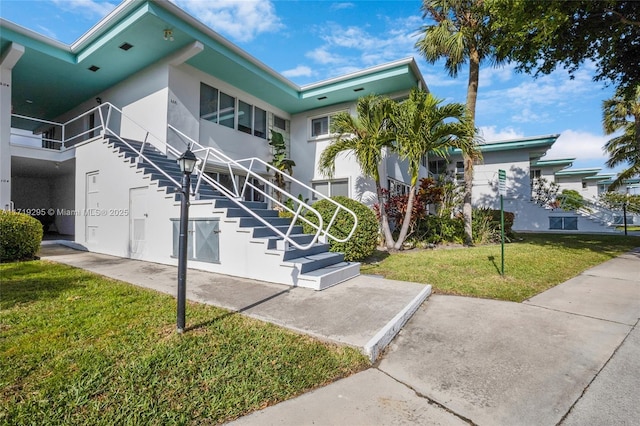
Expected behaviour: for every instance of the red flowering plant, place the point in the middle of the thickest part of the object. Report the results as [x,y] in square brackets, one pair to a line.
[428,193]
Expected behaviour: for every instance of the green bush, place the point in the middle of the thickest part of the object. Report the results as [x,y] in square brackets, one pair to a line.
[364,239]
[20,236]
[435,229]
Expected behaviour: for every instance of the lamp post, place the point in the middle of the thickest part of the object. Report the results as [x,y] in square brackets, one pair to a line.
[187,163]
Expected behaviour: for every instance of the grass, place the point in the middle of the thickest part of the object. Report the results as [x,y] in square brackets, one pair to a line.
[78,348]
[629,228]
[533,264]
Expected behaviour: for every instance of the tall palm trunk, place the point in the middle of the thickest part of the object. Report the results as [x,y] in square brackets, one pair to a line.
[472,96]
[407,216]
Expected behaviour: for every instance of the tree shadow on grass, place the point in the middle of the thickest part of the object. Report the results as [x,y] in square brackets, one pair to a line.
[27,282]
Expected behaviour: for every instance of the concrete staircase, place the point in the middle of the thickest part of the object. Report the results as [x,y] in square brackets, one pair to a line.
[315,267]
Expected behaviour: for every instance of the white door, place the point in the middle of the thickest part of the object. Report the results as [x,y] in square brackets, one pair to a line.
[137,220]
[92,205]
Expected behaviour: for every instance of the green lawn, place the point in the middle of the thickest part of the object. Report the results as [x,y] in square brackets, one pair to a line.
[78,348]
[533,263]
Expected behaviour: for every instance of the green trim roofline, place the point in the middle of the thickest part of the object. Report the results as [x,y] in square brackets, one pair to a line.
[141,23]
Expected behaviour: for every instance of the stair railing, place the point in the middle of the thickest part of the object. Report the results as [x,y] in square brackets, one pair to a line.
[215,156]
[106,125]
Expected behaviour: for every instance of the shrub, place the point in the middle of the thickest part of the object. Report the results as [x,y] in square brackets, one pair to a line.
[436,229]
[570,200]
[20,236]
[364,239]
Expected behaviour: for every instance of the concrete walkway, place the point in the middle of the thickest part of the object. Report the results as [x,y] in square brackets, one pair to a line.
[570,355]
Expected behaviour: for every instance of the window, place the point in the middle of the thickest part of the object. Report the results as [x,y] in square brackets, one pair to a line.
[245,117]
[208,103]
[460,171]
[227,110]
[319,126]
[397,188]
[220,108]
[260,123]
[438,167]
[565,223]
[280,123]
[331,188]
[535,174]
[584,184]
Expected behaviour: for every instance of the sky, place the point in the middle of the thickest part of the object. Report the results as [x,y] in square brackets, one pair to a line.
[309,41]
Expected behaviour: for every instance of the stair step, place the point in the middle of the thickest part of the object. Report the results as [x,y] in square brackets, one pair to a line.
[240,212]
[329,276]
[293,252]
[312,262]
[250,204]
[247,222]
[272,241]
[264,231]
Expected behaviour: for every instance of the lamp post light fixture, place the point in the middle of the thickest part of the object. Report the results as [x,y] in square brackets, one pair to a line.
[187,163]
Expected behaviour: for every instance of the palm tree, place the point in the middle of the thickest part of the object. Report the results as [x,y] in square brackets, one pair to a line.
[365,136]
[422,125]
[461,33]
[622,113]
[280,162]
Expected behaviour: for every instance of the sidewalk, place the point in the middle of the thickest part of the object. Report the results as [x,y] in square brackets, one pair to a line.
[570,355]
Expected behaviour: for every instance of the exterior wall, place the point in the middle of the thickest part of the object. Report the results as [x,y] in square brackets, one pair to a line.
[143,99]
[114,182]
[184,114]
[306,151]
[515,163]
[575,183]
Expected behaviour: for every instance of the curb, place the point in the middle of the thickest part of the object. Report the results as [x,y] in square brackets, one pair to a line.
[382,338]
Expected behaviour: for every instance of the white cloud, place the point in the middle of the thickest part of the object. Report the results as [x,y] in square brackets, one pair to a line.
[321,55]
[342,5]
[87,8]
[578,144]
[241,20]
[492,134]
[299,71]
[357,47]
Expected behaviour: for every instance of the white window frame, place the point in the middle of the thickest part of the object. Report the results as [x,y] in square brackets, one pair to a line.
[329,182]
[328,116]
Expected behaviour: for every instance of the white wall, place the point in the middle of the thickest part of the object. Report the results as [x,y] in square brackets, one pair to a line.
[115,179]
[575,183]
[306,152]
[184,114]
[143,98]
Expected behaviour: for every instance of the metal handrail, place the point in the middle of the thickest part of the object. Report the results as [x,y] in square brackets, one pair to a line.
[212,152]
[211,155]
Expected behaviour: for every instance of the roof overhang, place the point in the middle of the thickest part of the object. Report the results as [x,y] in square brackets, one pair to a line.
[579,172]
[52,78]
[537,146]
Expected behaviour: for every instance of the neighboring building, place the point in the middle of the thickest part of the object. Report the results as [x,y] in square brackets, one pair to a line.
[524,162]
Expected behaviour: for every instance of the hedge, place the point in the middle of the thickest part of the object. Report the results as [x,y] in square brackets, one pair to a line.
[20,236]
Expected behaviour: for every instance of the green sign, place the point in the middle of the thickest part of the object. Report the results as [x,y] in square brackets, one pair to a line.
[502,182]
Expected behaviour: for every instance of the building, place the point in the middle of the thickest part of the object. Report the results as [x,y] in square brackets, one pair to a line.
[90,133]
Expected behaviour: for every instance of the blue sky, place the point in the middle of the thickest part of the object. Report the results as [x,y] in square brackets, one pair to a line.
[309,41]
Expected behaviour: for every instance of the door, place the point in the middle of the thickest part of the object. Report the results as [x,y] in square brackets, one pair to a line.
[137,221]
[92,205]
